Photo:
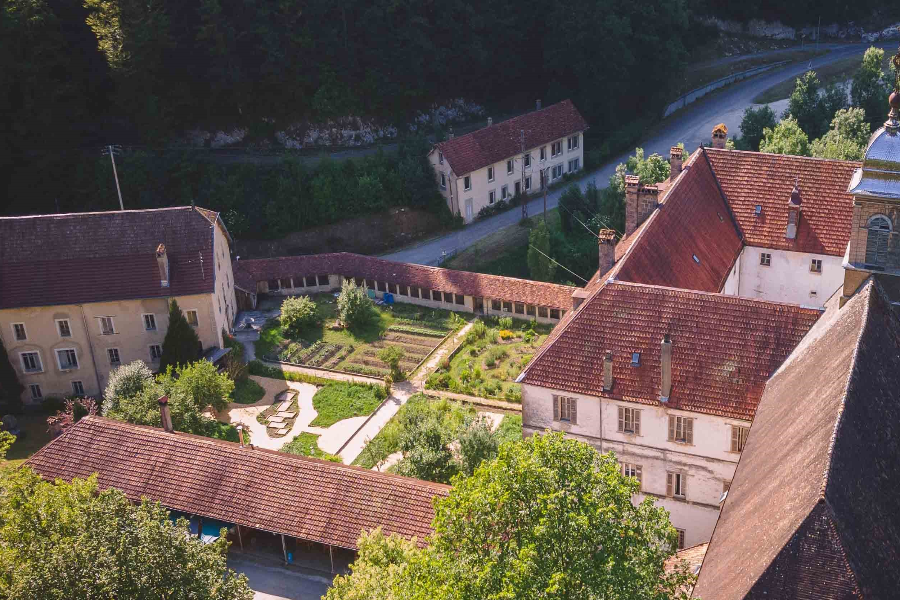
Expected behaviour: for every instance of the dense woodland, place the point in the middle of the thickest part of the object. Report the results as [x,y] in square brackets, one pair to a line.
[77,76]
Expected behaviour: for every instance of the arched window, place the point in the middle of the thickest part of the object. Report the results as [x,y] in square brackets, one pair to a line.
[879,228]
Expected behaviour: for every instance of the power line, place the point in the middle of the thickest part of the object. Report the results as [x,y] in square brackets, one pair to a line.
[558,264]
[601,220]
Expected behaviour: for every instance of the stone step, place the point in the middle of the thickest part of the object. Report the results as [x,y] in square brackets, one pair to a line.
[282,431]
[286,415]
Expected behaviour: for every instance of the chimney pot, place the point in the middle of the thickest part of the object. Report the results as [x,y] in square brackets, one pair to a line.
[676,159]
[162,260]
[719,135]
[665,363]
[606,240]
[240,430]
[490,121]
[607,371]
[537,105]
[450,135]
[164,413]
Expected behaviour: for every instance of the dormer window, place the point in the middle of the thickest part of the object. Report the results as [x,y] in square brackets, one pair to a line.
[635,359]
[879,228]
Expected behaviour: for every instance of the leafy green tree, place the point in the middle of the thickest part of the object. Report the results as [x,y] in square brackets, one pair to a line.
[6,441]
[181,344]
[391,356]
[72,540]
[870,88]
[492,538]
[201,383]
[540,267]
[298,313]
[354,306]
[752,125]
[477,444]
[126,381]
[847,138]
[786,138]
[10,387]
[426,453]
[652,169]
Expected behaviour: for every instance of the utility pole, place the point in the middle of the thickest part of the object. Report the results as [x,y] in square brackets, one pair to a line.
[818,33]
[545,176]
[112,150]
[523,197]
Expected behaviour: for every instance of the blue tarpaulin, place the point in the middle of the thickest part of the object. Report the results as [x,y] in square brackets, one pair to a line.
[211,527]
[388,298]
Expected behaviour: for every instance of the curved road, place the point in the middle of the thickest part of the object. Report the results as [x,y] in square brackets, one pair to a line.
[692,125]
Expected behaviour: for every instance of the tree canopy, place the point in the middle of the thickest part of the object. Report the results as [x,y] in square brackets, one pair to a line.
[847,138]
[10,387]
[785,138]
[870,88]
[71,540]
[181,344]
[549,518]
[753,124]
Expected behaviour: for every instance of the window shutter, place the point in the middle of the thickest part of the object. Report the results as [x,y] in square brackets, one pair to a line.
[573,411]
[621,419]
[734,439]
[670,484]
[637,422]
[689,431]
[556,408]
[671,428]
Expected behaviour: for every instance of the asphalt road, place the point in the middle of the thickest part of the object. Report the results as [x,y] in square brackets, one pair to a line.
[692,125]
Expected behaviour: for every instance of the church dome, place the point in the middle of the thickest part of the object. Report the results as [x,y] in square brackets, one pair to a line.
[879,176]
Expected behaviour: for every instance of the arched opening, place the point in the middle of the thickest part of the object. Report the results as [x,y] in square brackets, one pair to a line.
[879,228]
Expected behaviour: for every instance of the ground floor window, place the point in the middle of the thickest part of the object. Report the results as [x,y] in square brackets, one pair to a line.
[542,312]
[495,305]
[554,313]
[520,308]
[435,295]
[273,285]
[460,299]
[529,310]
[404,291]
[556,172]
[78,388]
[573,165]
[507,306]
[36,393]
[527,183]
[414,292]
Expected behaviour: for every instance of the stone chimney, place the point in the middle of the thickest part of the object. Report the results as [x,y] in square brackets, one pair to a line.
[794,208]
[450,135]
[607,249]
[537,104]
[162,259]
[632,182]
[240,430]
[719,135]
[164,413]
[578,297]
[607,371]
[676,159]
[665,367]
[490,121]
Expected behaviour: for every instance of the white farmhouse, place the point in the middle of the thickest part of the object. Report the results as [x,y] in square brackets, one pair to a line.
[513,157]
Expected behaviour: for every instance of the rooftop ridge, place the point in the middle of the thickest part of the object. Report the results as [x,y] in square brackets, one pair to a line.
[727,298]
[104,212]
[791,156]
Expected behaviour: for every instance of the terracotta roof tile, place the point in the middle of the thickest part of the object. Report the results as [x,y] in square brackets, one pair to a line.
[301,497]
[694,221]
[248,272]
[749,179]
[503,140]
[724,347]
[94,257]
[812,510]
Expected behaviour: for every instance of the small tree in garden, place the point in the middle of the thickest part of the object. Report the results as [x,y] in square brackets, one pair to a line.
[476,444]
[10,387]
[298,313]
[181,344]
[75,409]
[201,384]
[391,356]
[354,306]
[126,381]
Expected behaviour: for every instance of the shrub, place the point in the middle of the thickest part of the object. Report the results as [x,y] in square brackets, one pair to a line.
[513,393]
[490,362]
[298,313]
[391,356]
[505,322]
[125,382]
[354,307]
[247,391]
[477,443]
[478,329]
[10,387]
[506,334]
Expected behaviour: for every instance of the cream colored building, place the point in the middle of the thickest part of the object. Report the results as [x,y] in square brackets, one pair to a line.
[479,169]
[83,293]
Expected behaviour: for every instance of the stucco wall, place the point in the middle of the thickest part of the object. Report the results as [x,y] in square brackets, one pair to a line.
[708,462]
[131,338]
[787,279]
[225,300]
[478,196]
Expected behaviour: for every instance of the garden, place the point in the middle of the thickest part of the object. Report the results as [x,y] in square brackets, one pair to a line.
[490,359]
[311,332]
[438,438]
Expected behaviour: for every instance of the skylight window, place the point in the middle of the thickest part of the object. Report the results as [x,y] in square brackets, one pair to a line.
[758,210]
[696,260]
[635,359]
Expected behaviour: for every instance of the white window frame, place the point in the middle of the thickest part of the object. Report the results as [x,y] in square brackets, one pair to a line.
[815,266]
[59,329]
[628,414]
[765,259]
[492,196]
[112,325]
[490,174]
[75,387]
[196,316]
[150,350]
[443,181]
[556,171]
[35,386]
[504,192]
[555,149]
[528,183]
[739,435]
[40,362]
[676,484]
[144,319]
[59,362]
[572,142]
[118,352]
[510,167]
[526,160]
[467,183]
[15,332]
[543,153]
[574,165]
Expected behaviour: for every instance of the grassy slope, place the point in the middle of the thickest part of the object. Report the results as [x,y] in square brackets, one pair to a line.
[307,444]
[34,427]
[340,400]
[247,392]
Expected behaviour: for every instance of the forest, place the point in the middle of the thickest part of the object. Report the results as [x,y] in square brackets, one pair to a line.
[75,77]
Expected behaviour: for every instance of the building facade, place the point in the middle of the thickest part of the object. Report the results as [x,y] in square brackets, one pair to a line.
[66,324]
[501,161]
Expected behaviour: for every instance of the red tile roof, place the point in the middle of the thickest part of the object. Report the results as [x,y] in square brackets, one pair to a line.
[812,510]
[724,348]
[286,494]
[501,141]
[47,260]
[693,221]
[248,272]
[749,179]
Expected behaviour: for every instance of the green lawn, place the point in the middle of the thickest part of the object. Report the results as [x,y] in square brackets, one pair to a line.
[486,365]
[247,392]
[34,428]
[416,329]
[307,444]
[341,400]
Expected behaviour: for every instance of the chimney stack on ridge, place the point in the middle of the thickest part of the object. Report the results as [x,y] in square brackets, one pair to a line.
[162,260]
[164,414]
[665,365]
